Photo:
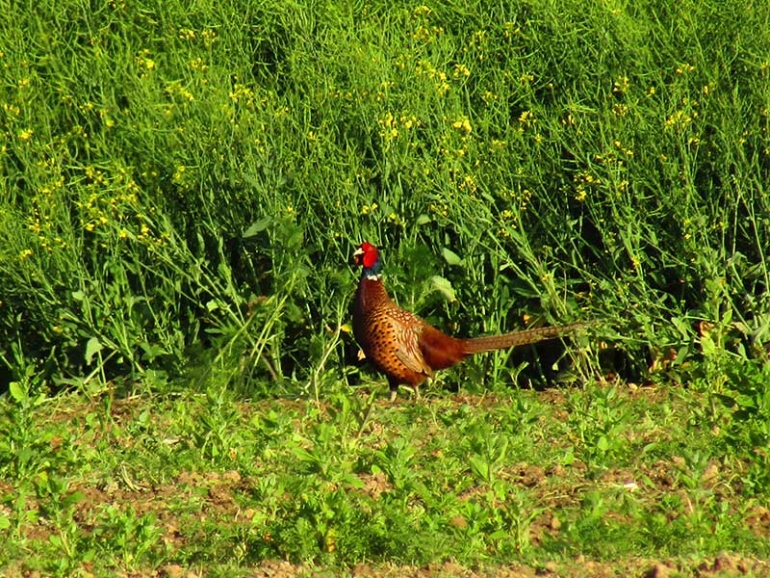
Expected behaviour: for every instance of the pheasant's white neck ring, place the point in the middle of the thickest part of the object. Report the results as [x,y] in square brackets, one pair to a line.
[372,276]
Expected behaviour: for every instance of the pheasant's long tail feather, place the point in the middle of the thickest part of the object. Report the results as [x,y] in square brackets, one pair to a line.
[507,340]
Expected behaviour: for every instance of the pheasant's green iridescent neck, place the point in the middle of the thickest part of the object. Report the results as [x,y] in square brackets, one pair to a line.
[373,272]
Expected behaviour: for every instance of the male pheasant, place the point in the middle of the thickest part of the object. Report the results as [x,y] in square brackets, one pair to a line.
[403,346]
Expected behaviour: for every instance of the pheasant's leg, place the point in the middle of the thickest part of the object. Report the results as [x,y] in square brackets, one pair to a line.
[416,390]
[427,383]
[393,384]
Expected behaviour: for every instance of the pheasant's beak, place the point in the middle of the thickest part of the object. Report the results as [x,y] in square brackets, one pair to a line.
[358,257]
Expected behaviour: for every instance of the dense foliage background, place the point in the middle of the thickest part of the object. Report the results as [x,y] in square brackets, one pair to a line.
[187,182]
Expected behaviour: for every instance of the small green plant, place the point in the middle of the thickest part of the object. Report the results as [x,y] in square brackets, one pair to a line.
[130,536]
[395,460]
[600,420]
[21,449]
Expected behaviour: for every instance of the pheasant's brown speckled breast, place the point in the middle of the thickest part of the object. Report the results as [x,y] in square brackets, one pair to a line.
[389,335]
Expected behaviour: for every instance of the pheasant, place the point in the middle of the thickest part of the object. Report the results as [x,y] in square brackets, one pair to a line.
[407,349]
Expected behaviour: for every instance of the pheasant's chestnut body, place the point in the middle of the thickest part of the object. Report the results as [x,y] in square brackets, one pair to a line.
[407,349]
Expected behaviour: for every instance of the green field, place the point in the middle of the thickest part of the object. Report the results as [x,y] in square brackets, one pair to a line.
[182,186]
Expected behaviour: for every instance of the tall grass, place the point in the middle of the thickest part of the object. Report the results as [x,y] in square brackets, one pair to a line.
[182,185]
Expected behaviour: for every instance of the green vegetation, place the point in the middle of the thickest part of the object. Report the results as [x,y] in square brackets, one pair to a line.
[620,477]
[181,188]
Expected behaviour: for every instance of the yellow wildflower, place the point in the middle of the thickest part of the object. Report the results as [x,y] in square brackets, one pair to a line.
[621,85]
[367,209]
[461,70]
[526,118]
[463,124]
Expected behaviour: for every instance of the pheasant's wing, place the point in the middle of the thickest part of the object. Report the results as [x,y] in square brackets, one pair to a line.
[407,345]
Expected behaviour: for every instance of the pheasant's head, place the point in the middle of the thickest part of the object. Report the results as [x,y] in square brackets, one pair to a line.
[368,257]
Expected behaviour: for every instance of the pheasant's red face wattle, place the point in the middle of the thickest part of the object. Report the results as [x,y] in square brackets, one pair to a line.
[367,256]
